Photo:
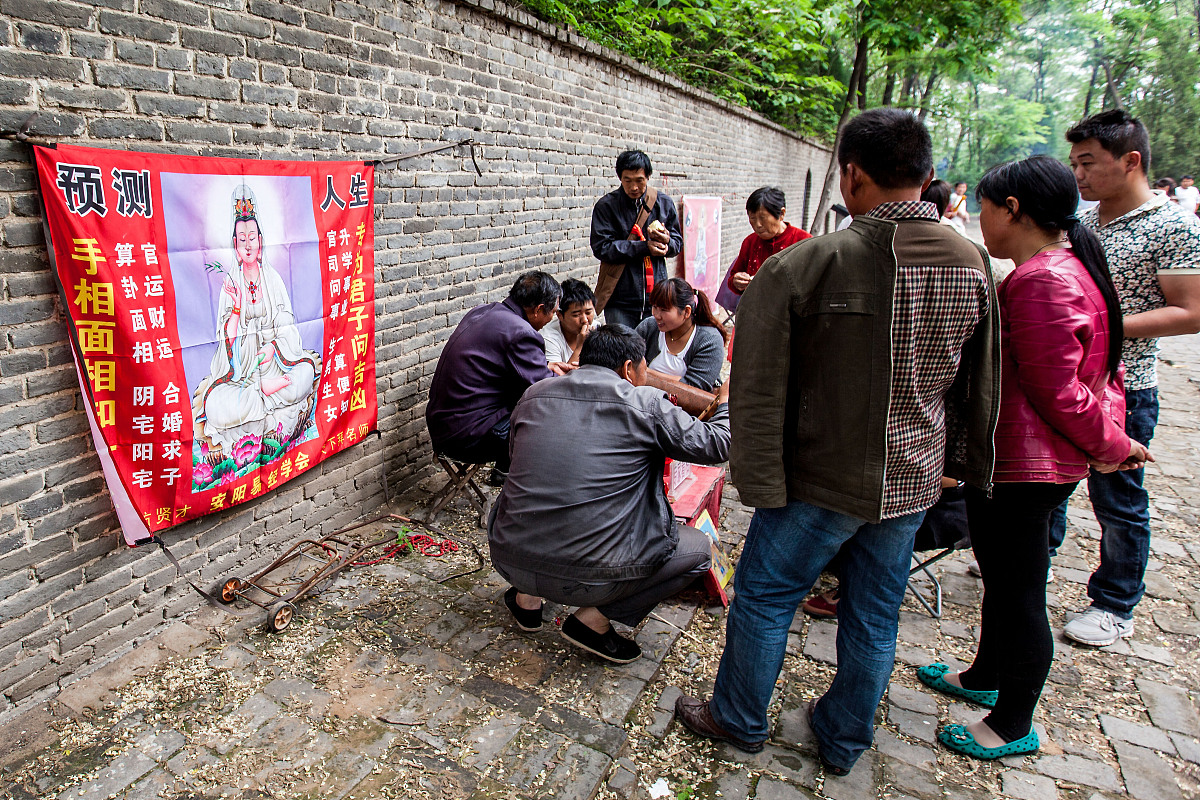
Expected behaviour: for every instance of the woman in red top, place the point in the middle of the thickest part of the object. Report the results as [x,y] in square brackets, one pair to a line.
[765,207]
[1060,411]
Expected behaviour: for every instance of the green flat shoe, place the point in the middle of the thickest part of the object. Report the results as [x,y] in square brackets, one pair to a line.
[961,740]
[933,676]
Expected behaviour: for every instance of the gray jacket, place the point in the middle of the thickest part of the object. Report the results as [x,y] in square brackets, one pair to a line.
[703,359]
[584,497]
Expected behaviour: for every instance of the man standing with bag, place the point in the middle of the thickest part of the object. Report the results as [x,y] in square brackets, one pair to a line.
[634,230]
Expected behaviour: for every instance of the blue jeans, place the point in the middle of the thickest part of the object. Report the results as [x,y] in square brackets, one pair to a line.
[1122,508]
[786,550]
[620,316]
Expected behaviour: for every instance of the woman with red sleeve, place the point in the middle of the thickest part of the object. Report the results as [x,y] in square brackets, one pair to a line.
[1061,410]
[765,208]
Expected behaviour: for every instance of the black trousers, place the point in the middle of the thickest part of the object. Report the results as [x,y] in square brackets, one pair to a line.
[1010,534]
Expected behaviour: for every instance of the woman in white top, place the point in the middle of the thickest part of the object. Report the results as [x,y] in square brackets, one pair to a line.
[683,339]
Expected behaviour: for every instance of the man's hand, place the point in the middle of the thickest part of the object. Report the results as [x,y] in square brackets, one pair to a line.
[723,393]
[659,234]
[561,367]
[656,247]
[740,281]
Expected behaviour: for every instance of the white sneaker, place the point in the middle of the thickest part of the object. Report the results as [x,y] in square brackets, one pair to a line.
[1050,575]
[973,569]
[1098,628]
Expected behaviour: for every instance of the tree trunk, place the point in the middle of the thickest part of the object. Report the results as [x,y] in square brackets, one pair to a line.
[962,133]
[1112,87]
[862,86]
[1087,101]
[910,87]
[860,67]
[927,98]
[889,85]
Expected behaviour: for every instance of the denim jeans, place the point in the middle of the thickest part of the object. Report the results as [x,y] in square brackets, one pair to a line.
[621,316]
[1122,508]
[786,550]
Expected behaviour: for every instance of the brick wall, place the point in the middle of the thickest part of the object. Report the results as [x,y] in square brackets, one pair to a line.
[308,79]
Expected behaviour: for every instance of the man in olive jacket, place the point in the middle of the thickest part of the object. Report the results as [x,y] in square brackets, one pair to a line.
[866,365]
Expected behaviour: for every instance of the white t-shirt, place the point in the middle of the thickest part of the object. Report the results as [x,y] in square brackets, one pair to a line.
[557,348]
[1189,198]
[669,364]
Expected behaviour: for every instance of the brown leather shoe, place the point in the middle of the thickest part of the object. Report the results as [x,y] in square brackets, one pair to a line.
[696,717]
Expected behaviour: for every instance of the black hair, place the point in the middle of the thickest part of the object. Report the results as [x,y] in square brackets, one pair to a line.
[892,146]
[633,160]
[534,289]
[1166,184]
[769,197]
[678,293]
[1046,191]
[1117,132]
[611,346]
[938,193]
[575,292]
[1187,178]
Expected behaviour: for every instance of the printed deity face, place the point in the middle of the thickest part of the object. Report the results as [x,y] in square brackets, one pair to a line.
[247,242]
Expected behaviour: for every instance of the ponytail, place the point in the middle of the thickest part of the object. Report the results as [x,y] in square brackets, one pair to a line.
[703,315]
[1088,250]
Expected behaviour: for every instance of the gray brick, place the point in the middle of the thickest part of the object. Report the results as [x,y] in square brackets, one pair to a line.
[211,42]
[241,24]
[15,93]
[136,27]
[175,11]
[168,106]
[33,65]
[185,132]
[171,58]
[43,40]
[70,15]
[135,53]
[212,88]
[276,11]
[270,95]
[84,97]
[258,136]
[132,77]
[230,112]
[86,46]
[126,129]
[280,54]
[208,64]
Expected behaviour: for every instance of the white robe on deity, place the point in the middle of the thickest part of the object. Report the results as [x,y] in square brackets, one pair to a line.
[236,406]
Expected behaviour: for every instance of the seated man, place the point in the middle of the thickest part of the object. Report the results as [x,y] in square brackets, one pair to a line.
[493,356]
[576,316]
[583,519]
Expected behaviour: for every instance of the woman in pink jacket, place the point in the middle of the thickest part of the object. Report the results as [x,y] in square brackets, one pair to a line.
[1061,410]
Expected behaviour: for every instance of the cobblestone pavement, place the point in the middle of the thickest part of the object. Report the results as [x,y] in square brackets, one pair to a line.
[395,682]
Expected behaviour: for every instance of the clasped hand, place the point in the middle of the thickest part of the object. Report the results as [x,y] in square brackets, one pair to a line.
[1139,454]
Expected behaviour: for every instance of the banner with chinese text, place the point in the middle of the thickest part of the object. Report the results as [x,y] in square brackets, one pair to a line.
[222,314]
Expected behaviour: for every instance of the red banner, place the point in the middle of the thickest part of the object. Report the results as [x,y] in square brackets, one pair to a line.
[222,315]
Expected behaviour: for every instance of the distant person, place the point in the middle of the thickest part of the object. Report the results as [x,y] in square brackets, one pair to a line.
[853,350]
[957,211]
[634,230]
[1188,194]
[1167,187]
[576,316]
[1153,251]
[683,338]
[766,208]
[494,354]
[1060,343]
[938,192]
[583,519]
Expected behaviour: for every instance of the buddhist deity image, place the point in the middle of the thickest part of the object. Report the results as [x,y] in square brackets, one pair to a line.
[259,394]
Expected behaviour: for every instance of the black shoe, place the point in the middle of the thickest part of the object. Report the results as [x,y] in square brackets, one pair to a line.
[611,646]
[831,769]
[496,478]
[527,619]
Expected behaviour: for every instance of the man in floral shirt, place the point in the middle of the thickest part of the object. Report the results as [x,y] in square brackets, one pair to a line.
[1153,250]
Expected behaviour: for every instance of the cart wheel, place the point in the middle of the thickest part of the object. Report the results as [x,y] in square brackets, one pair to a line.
[279,616]
[227,592]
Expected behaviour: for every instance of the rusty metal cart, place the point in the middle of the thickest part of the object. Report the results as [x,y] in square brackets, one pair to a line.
[309,563]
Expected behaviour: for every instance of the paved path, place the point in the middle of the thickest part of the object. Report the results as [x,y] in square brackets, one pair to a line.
[396,682]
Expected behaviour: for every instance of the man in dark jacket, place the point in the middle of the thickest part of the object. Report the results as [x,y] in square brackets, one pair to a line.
[583,519]
[640,257]
[493,356]
[866,365]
